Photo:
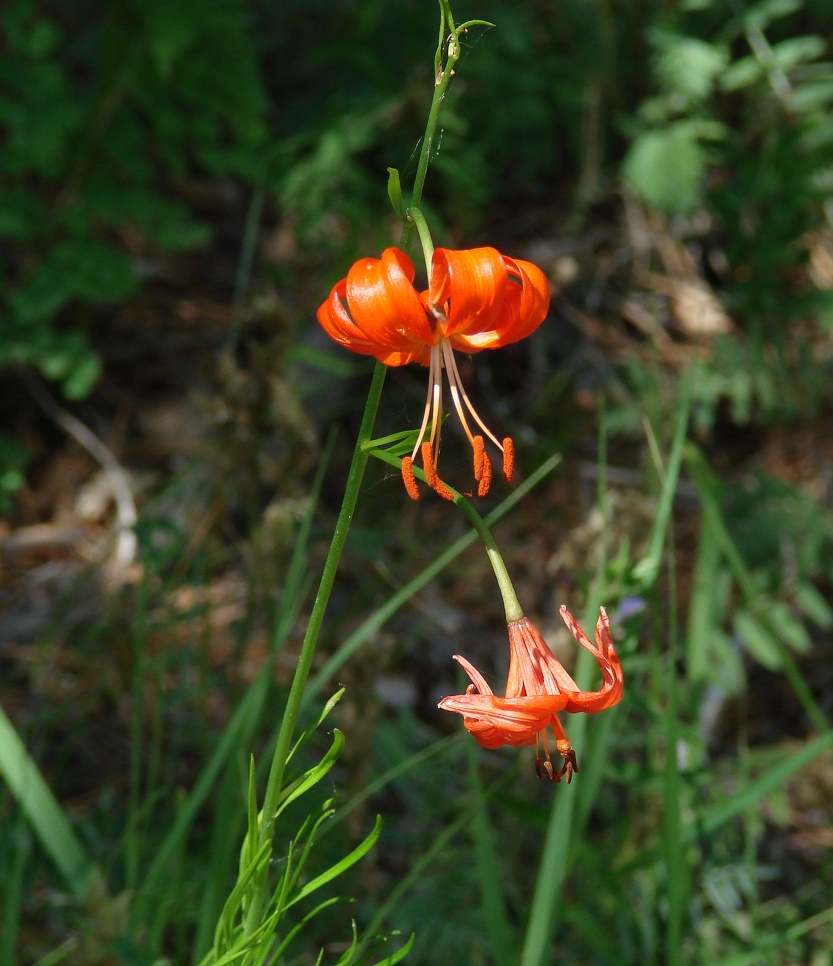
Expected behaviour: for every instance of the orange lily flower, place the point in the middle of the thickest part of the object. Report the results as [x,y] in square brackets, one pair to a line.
[476,299]
[538,688]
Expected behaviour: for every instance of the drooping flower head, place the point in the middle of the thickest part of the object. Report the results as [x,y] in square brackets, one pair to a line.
[476,299]
[538,688]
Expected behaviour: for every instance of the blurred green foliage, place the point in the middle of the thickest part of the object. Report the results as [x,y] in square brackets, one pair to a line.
[104,111]
[718,114]
[108,116]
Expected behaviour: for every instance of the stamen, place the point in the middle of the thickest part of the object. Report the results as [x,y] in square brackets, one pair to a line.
[570,765]
[508,458]
[431,474]
[459,396]
[485,478]
[543,766]
[479,456]
[565,749]
[433,401]
[408,478]
[458,393]
[544,769]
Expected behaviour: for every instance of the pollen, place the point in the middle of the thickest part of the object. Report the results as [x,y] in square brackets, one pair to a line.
[484,477]
[479,456]
[431,474]
[508,458]
[408,478]
[482,466]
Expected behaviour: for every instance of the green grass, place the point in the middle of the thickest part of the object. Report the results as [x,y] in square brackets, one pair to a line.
[136,739]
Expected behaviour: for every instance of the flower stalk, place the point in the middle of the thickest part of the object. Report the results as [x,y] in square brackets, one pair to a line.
[274,785]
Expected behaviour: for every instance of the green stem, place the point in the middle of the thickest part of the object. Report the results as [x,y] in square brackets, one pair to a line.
[351,492]
[443,79]
[416,216]
[296,691]
[511,605]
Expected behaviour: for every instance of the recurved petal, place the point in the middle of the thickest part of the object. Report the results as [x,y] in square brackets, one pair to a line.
[536,669]
[535,298]
[612,687]
[495,721]
[475,676]
[336,322]
[385,306]
[527,300]
[469,287]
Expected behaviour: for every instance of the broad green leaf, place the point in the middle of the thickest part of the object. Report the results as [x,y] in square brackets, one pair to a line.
[797,50]
[792,632]
[765,13]
[688,66]
[666,168]
[812,96]
[814,605]
[757,640]
[79,381]
[742,73]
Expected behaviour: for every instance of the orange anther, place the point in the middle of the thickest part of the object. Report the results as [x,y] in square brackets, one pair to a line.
[484,481]
[408,478]
[508,458]
[431,474]
[479,456]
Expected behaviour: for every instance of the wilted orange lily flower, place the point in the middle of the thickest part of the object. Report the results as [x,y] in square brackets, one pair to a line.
[538,688]
[476,299]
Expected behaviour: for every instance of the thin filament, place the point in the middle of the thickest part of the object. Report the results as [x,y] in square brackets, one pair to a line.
[458,393]
[433,400]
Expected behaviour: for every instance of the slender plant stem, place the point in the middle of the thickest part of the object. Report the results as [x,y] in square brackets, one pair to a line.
[445,58]
[673,849]
[370,626]
[296,691]
[416,216]
[511,605]
[556,855]
[443,74]
[345,517]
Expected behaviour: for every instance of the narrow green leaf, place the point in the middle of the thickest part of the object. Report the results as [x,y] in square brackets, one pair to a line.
[798,50]
[299,926]
[395,193]
[316,724]
[716,816]
[399,955]
[757,640]
[44,814]
[341,866]
[489,873]
[814,605]
[313,775]
[308,836]
[791,630]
